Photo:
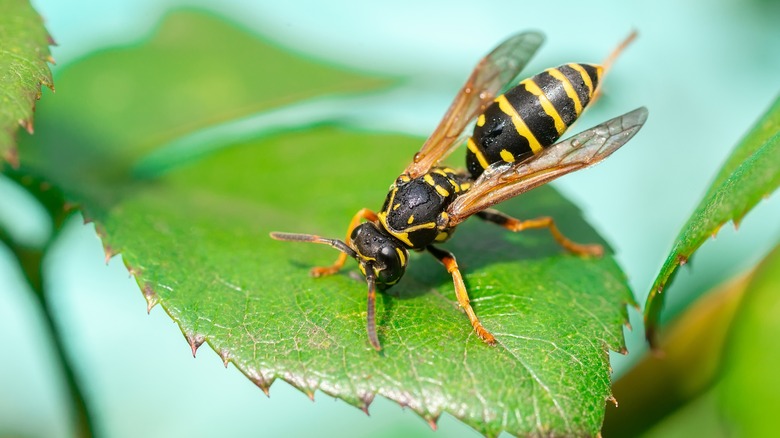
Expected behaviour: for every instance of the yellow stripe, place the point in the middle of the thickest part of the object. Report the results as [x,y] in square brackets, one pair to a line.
[442,191]
[554,72]
[429,179]
[547,106]
[411,219]
[401,256]
[403,236]
[481,158]
[481,120]
[520,125]
[507,156]
[585,77]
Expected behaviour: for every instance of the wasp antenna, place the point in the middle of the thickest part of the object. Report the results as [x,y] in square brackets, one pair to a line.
[371,312]
[618,50]
[295,237]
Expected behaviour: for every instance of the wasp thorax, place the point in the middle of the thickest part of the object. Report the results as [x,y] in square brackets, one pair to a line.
[380,252]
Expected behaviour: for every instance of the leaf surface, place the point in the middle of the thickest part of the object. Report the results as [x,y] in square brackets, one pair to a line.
[751,173]
[749,381]
[196,239]
[24,53]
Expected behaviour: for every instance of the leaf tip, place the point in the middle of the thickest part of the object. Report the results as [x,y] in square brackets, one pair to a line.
[433,422]
[715,231]
[152,299]
[11,157]
[110,252]
[68,206]
[27,124]
[367,398]
[650,334]
[225,356]
[259,381]
[195,341]
[99,230]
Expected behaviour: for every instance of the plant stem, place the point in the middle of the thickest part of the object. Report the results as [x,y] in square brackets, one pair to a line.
[31,263]
[83,420]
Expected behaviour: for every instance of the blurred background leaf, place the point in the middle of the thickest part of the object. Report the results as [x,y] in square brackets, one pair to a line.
[683,370]
[23,69]
[715,374]
[748,393]
[751,173]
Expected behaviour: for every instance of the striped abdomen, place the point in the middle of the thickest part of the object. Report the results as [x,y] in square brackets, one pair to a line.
[531,116]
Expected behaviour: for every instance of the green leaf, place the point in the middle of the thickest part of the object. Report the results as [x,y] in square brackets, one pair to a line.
[690,366]
[718,369]
[23,68]
[750,173]
[196,239]
[748,391]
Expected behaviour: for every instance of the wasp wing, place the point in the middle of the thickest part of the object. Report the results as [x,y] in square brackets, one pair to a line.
[490,75]
[502,181]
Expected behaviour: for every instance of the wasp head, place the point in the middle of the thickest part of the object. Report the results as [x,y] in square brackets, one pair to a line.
[381,258]
[379,252]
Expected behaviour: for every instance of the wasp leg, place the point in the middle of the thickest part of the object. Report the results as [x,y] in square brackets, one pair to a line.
[448,260]
[320,271]
[516,225]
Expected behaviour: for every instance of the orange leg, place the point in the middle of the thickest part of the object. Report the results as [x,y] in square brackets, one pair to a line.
[516,225]
[320,271]
[448,260]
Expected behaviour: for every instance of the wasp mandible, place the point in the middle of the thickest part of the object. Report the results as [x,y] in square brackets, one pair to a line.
[512,149]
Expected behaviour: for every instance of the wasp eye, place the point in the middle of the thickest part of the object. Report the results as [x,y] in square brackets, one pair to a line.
[356,233]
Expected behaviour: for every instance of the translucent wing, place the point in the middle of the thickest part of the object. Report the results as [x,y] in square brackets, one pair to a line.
[502,181]
[490,75]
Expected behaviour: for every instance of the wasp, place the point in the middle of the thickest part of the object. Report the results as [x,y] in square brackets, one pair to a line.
[512,149]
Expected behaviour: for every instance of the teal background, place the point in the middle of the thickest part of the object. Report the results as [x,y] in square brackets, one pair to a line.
[705,69]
